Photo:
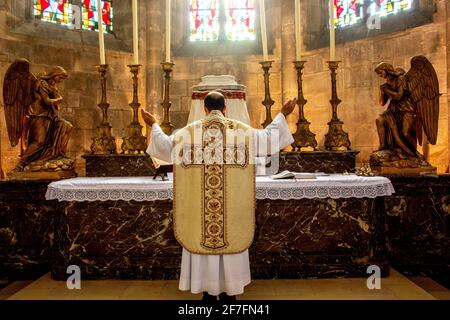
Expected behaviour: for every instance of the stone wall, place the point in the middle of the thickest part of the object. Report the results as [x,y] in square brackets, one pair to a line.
[447,5]
[357,82]
[190,67]
[47,45]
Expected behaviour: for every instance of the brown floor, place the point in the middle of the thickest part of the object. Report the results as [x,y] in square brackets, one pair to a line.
[396,287]
[432,287]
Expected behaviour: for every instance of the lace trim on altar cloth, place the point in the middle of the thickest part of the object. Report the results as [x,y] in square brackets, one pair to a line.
[265,189]
[325,192]
[108,195]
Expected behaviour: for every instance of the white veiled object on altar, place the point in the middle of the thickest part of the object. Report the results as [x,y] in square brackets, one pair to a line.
[235,98]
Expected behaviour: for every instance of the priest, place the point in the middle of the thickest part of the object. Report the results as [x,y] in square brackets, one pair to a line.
[214,193]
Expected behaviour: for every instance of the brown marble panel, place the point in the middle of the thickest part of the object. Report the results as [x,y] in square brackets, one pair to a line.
[319,161]
[26,229]
[318,238]
[305,238]
[128,240]
[119,165]
[418,226]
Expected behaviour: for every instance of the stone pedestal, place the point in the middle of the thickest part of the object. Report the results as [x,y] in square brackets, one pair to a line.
[319,161]
[398,163]
[118,165]
[388,171]
[39,176]
[54,169]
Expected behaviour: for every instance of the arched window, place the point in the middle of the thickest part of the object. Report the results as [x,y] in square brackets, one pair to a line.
[222,20]
[69,13]
[360,19]
[350,12]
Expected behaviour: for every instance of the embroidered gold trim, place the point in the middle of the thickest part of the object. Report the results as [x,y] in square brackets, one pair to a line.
[216,157]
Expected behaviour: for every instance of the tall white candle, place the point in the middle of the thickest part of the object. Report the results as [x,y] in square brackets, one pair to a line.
[262,15]
[298,31]
[332,32]
[135,32]
[101,36]
[168,14]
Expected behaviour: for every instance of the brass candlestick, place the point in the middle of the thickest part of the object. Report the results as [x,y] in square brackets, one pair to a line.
[304,138]
[104,142]
[336,137]
[166,126]
[268,102]
[135,142]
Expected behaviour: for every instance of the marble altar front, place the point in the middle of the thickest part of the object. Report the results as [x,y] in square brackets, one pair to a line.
[122,228]
[417,222]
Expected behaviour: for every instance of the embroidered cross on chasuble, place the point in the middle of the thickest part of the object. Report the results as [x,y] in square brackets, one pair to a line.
[214,186]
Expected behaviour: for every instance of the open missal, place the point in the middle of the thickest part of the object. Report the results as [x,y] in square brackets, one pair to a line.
[294,175]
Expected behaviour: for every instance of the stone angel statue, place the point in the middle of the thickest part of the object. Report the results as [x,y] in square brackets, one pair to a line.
[31,113]
[412,101]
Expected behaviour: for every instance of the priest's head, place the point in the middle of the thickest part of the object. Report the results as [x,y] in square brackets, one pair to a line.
[215,101]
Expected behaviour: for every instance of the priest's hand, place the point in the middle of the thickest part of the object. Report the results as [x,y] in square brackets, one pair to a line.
[289,107]
[149,119]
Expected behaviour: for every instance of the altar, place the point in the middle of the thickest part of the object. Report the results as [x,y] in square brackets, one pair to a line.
[121,228]
[235,98]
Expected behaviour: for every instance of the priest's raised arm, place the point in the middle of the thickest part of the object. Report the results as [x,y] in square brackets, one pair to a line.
[267,141]
[274,137]
[160,146]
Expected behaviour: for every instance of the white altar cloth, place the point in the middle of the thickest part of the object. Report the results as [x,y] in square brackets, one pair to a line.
[147,189]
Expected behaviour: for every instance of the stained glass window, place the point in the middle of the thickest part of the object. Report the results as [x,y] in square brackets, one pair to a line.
[90,15]
[54,11]
[240,23]
[204,20]
[62,12]
[211,20]
[350,12]
[394,6]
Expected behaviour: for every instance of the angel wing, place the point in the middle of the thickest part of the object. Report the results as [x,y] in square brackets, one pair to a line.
[423,84]
[18,94]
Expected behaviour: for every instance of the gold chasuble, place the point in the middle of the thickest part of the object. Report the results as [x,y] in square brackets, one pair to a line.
[214,186]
